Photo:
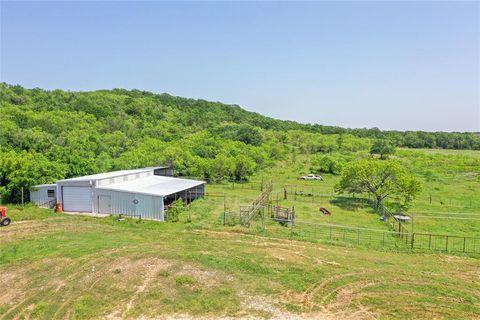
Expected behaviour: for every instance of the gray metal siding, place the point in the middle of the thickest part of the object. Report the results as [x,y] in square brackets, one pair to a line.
[149,207]
[167,172]
[39,196]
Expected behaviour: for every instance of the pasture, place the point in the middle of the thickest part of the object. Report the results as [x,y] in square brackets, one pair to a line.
[449,203]
[72,267]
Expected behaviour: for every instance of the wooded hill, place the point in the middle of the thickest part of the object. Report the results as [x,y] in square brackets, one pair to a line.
[48,135]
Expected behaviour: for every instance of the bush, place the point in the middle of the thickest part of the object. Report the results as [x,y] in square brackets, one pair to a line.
[173,212]
[331,163]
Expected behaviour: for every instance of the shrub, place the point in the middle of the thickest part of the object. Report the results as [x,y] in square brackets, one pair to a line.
[175,209]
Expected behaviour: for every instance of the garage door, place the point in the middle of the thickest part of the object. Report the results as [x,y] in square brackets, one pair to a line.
[77,199]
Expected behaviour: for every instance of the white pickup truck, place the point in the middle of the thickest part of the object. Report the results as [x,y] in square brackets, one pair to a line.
[311,176]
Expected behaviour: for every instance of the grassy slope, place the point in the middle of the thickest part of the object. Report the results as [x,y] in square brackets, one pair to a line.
[75,267]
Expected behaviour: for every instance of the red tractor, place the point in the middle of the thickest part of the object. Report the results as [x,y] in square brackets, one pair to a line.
[4,220]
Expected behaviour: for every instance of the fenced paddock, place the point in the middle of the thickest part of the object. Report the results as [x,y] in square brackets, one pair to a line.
[309,226]
[380,239]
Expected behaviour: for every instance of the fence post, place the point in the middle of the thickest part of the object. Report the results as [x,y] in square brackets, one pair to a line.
[430,242]
[330,232]
[464,243]
[446,243]
[413,239]
[263,219]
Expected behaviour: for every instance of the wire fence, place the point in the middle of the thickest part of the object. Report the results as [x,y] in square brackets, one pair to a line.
[350,235]
[316,193]
[400,238]
[383,239]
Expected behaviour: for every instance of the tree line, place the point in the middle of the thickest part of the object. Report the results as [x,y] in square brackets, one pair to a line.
[49,135]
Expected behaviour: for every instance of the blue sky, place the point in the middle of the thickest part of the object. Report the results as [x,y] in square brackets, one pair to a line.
[392,65]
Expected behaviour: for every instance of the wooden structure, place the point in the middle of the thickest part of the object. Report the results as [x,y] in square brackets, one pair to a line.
[283,214]
[247,213]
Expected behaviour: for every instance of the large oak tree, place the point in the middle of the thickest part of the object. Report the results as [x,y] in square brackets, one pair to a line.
[382,179]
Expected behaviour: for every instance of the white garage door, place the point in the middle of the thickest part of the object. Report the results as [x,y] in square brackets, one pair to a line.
[77,199]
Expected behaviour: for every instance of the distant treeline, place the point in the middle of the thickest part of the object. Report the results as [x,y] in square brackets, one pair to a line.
[47,135]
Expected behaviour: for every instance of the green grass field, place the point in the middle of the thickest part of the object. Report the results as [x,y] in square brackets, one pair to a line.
[453,195]
[71,267]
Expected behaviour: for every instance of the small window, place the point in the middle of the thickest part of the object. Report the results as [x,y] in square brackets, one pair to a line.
[51,193]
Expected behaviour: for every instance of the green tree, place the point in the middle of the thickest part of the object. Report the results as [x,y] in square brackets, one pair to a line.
[383,148]
[20,171]
[327,164]
[382,179]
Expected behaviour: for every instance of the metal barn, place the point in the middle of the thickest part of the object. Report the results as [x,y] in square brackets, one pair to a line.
[44,195]
[139,192]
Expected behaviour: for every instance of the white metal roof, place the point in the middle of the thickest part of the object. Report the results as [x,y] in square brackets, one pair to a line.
[112,174]
[154,185]
[49,185]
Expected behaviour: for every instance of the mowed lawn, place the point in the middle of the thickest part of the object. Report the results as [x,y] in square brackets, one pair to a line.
[71,267]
